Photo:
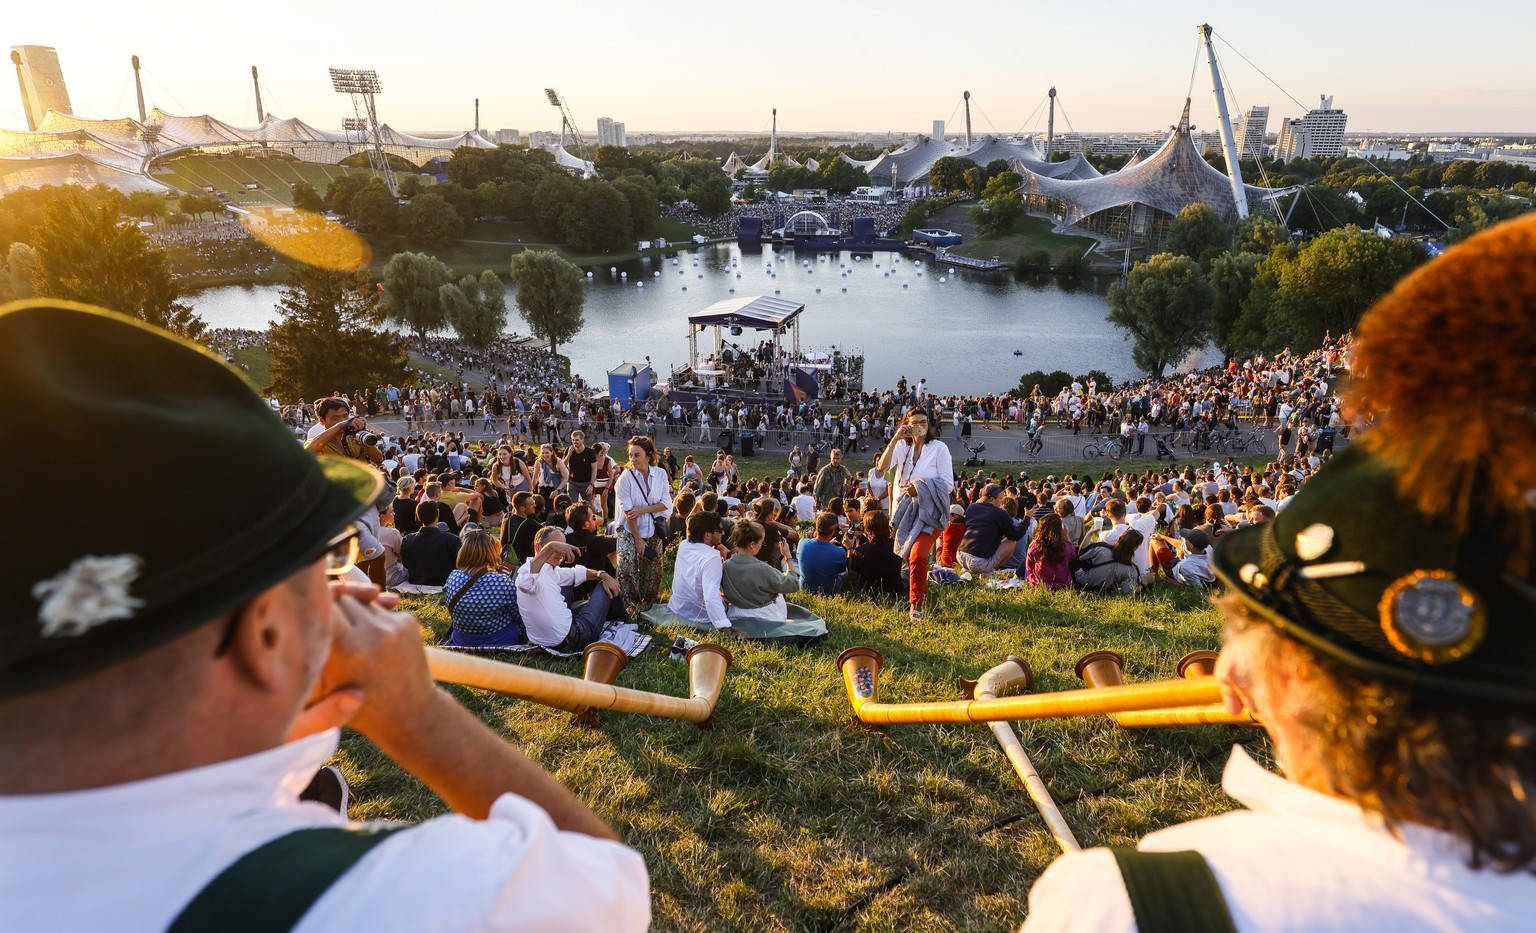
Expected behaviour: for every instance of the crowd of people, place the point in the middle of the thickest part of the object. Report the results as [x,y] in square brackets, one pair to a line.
[172,688]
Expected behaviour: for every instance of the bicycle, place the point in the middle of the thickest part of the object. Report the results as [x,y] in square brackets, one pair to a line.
[1253,440]
[1110,445]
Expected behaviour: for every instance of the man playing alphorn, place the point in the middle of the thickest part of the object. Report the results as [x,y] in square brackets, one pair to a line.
[1383,627]
[172,677]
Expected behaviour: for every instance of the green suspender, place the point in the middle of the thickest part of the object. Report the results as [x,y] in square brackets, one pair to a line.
[269,889]
[1173,892]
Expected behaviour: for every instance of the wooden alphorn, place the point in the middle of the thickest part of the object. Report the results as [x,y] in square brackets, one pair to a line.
[707,664]
[860,667]
[1103,669]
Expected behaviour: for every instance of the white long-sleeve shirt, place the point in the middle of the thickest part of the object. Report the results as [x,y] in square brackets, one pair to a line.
[934,463]
[546,616]
[130,857]
[1297,859]
[696,585]
[633,492]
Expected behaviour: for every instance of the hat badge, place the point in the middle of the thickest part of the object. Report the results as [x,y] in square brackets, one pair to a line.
[1314,541]
[1432,616]
[90,592]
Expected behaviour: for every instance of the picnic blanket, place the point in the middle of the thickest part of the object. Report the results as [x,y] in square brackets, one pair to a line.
[803,627]
[626,635]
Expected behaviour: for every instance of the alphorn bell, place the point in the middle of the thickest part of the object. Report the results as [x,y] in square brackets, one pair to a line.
[707,664]
[602,662]
[1104,669]
[860,667]
[1014,674]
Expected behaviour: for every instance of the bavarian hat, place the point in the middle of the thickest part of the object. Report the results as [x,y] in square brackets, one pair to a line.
[1409,557]
[119,568]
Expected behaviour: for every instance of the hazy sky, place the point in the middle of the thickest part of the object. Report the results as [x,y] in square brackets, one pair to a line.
[827,66]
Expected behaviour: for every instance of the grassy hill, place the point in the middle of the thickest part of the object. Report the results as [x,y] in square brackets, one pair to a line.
[790,817]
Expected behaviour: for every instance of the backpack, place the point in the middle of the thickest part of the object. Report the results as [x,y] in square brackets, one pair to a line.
[1080,563]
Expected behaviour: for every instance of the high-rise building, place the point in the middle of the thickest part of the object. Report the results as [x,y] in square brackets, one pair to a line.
[610,132]
[42,82]
[938,129]
[1251,127]
[1319,133]
[543,139]
[508,138]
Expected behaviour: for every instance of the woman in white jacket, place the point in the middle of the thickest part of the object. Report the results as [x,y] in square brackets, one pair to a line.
[645,504]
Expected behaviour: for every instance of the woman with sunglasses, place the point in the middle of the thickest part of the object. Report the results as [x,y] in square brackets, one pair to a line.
[919,459]
[552,472]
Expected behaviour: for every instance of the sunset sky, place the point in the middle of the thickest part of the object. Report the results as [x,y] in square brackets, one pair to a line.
[835,67]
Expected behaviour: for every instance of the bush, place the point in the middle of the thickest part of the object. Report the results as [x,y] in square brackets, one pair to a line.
[1033,265]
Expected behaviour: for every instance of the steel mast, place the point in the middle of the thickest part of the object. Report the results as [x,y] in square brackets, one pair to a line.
[1228,143]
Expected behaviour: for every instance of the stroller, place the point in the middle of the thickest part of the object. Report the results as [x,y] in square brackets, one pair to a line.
[1163,448]
[974,460]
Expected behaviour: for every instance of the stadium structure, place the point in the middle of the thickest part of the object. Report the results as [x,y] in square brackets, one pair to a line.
[913,162]
[1135,206]
[122,153]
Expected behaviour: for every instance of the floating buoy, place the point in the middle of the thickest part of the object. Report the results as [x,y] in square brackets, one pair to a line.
[589,275]
[845,288]
[877,265]
[818,289]
[903,284]
[731,290]
[738,275]
[775,291]
[685,288]
[656,274]
[855,259]
[623,275]
[942,280]
[951,270]
[639,284]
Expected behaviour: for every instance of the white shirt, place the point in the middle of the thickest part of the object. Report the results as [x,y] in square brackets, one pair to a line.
[805,507]
[635,493]
[130,857]
[545,614]
[1298,860]
[1146,524]
[696,585]
[315,430]
[934,463]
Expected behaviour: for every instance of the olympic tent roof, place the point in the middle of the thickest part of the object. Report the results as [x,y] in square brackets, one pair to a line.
[1169,180]
[758,312]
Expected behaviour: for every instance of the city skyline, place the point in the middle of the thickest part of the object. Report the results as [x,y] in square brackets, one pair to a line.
[881,69]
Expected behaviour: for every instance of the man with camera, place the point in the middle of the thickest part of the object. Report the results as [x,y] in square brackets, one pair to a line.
[338,432]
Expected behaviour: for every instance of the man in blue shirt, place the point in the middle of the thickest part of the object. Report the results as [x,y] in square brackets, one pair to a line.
[822,560]
[991,535]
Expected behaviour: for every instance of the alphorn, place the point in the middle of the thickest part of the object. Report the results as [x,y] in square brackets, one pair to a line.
[861,666]
[1014,674]
[707,664]
[1105,670]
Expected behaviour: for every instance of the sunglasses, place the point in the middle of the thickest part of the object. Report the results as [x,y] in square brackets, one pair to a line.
[341,553]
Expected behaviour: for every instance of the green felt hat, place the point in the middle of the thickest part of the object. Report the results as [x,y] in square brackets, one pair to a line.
[186,497]
[1354,571]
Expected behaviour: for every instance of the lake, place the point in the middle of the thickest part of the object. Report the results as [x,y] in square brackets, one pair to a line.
[907,315]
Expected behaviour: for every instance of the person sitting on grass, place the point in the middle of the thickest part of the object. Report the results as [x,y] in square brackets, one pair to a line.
[873,567]
[1110,568]
[1186,557]
[991,535]
[429,554]
[545,594]
[954,533]
[1048,559]
[696,574]
[482,601]
[822,560]
[755,589]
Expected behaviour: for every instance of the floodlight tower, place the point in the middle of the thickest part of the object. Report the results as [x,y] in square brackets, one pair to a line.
[1228,143]
[1050,127]
[363,85]
[138,86]
[967,97]
[261,115]
[567,122]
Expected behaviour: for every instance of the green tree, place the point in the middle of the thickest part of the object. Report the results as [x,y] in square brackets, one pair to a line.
[306,198]
[143,204]
[1004,182]
[916,215]
[1033,265]
[1197,231]
[644,205]
[1231,279]
[550,295]
[411,283]
[839,177]
[1259,233]
[328,335]
[85,252]
[476,308]
[948,174]
[1324,286]
[611,161]
[551,198]
[376,210]
[1165,306]
[712,196]
[339,195]
[194,205]
[429,221]
[409,186]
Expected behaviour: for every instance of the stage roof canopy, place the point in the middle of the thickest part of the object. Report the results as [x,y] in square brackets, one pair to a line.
[759,312]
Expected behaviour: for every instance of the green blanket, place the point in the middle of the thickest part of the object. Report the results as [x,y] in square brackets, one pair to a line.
[803,627]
